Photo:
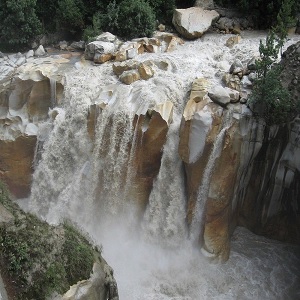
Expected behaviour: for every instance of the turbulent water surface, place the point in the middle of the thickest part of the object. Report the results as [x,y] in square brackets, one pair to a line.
[154,258]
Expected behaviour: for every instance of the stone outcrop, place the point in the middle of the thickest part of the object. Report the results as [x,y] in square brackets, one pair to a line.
[27,92]
[193,22]
[16,164]
[100,286]
[131,71]
[38,269]
[245,172]
[107,47]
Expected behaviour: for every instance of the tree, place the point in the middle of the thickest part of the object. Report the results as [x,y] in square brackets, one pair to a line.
[136,18]
[19,22]
[285,20]
[70,14]
[269,99]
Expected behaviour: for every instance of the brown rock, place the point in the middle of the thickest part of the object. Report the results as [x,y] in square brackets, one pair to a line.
[102,58]
[128,77]
[145,71]
[233,41]
[121,56]
[16,160]
[119,68]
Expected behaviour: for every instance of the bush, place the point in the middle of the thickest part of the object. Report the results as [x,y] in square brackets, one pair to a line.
[269,99]
[38,259]
[70,14]
[46,12]
[163,10]
[132,18]
[19,22]
[265,12]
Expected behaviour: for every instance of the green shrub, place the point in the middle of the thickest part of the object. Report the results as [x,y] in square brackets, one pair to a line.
[132,18]
[95,29]
[46,12]
[265,12]
[70,14]
[78,255]
[163,10]
[38,258]
[269,99]
[19,22]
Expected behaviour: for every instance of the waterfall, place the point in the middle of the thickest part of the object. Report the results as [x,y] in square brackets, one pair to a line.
[164,219]
[53,91]
[89,181]
[197,221]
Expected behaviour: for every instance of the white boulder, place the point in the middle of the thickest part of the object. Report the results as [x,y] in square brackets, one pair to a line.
[193,22]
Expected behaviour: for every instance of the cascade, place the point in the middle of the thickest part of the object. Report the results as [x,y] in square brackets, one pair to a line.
[53,91]
[89,181]
[204,187]
[165,215]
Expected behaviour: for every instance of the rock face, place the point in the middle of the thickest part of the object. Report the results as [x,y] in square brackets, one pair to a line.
[27,92]
[192,22]
[100,286]
[16,160]
[242,171]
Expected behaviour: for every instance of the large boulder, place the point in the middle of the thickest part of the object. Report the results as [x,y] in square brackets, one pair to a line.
[98,47]
[193,22]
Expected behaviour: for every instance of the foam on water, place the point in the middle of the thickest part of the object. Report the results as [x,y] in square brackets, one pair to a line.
[85,182]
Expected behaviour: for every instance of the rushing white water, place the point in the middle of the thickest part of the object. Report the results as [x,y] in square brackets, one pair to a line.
[88,183]
[204,187]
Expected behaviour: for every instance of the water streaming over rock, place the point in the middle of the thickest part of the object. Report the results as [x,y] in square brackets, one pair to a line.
[89,181]
[197,221]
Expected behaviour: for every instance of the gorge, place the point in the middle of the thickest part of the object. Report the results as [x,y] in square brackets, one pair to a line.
[157,172]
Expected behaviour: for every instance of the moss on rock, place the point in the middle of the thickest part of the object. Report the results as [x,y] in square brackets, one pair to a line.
[37,259]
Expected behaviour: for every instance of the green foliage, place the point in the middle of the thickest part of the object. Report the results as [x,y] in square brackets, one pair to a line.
[135,18]
[128,19]
[163,9]
[265,12]
[46,12]
[269,99]
[70,14]
[285,20]
[40,258]
[19,22]
[93,30]
[78,255]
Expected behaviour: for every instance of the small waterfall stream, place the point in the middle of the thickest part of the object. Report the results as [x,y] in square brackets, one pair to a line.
[88,182]
[204,187]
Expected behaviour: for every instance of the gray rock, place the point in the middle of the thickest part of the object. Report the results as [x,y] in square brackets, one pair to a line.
[205,4]
[219,95]
[246,83]
[225,24]
[5,216]
[78,45]
[243,100]
[193,22]
[106,37]
[40,51]
[63,45]
[21,60]
[236,67]
[29,54]
[251,64]
[99,47]
[1,55]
